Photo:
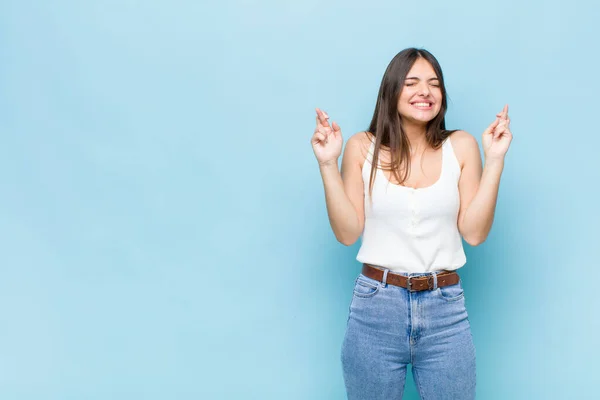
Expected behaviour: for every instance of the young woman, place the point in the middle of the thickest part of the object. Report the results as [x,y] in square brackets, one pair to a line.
[428,190]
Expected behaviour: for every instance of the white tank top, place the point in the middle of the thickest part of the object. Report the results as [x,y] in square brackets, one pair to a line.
[413,230]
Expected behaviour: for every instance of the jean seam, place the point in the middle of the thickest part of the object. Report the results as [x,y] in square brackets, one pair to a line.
[451,299]
[416,376]
[438,292]
[366,295]
[367,284]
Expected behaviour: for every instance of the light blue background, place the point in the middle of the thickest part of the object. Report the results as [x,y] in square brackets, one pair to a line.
[164,232]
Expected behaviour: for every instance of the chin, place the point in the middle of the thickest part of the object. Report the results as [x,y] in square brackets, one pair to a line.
[418,119]
[424,120]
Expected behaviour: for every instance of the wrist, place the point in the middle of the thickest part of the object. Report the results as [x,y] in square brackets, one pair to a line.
[494,161]
[328,164]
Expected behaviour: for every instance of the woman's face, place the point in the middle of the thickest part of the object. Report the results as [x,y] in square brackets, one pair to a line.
[421,97]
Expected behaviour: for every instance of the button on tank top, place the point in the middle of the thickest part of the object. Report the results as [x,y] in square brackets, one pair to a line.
[413,230]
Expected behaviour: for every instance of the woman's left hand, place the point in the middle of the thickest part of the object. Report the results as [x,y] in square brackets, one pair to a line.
[497,137]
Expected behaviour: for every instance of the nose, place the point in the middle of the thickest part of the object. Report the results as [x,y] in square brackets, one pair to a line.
[424,89]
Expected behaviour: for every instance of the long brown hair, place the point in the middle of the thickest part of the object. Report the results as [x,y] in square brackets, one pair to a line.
[386,124]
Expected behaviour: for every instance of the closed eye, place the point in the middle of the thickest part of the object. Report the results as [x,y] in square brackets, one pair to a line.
[432,84]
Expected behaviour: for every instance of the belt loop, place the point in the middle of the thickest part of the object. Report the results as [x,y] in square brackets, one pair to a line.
[434,280]
[384,279]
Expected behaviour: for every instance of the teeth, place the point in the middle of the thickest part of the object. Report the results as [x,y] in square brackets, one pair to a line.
[422,104]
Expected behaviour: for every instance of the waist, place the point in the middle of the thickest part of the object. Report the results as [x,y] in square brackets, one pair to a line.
[425,281]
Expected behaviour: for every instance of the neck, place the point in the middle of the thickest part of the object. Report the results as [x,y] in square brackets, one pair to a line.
[416,135]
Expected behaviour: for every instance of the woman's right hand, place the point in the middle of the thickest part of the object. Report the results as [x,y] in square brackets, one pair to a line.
[327,140]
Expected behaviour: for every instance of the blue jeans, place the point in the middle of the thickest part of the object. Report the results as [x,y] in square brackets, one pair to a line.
[390,327]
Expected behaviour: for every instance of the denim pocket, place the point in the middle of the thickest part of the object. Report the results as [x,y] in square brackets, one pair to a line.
[451,292]
[365,288]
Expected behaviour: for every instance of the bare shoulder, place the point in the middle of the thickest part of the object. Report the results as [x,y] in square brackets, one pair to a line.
[465,146]
[357,146]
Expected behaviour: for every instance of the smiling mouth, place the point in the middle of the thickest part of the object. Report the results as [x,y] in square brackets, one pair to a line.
[422,105]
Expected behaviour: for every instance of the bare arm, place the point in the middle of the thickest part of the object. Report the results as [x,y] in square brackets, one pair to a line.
[343,190]
[479,190]
[479,194]
[344,194]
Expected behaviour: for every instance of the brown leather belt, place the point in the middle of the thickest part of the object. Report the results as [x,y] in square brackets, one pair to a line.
[415,283]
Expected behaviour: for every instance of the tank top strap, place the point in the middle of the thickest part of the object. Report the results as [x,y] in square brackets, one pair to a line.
[446,152]
[449,160]
[370,153]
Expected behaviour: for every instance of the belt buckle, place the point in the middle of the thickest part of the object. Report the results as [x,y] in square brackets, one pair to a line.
[408,284]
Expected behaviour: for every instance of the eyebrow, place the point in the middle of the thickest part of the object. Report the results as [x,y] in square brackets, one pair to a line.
[430,79]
